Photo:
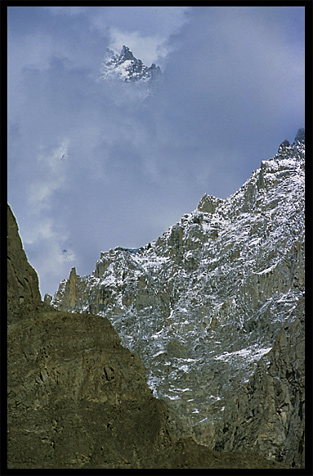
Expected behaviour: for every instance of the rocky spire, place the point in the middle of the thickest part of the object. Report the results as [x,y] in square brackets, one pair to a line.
[126,54]
[126,67]
[300,137]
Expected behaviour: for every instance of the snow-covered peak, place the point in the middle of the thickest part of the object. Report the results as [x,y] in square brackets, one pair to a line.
[126,67]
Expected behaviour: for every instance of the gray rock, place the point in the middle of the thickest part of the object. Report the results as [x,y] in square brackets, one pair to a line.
[220,286]
[300,135]
[268,415]
[284,144]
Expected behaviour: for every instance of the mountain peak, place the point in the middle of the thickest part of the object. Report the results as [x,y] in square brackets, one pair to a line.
[126,54]
[126,67]
[300,137]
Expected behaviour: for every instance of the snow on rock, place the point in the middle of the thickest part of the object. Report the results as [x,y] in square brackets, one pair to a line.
[127,68]
[204,303]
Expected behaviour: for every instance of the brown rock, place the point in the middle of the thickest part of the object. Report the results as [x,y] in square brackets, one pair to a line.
[22,280]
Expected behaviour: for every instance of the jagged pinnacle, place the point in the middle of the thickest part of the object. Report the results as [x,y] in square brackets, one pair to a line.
[126,67]
[300,137]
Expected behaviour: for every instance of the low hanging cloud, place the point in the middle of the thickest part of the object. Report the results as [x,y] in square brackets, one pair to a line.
[148,48]
[51,176]
[96,164]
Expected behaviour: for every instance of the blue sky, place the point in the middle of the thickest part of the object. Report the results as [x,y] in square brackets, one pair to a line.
[93,165]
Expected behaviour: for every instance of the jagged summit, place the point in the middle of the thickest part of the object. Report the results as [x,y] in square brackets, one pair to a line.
[124,66]
[126,54]
[204,305]
[300,137]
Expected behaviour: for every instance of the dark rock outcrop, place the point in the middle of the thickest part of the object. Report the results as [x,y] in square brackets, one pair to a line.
[22,280]
[300,137]
[284,145]
[77,398]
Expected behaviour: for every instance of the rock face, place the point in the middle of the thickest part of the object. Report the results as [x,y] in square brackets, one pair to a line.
[300,137]
[22,280]
[268,415]
[204,305]
[77,398]
[126,67]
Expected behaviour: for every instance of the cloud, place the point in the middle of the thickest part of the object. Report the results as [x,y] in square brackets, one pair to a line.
[148,48]
[143,29]
[51,171]
[149,21]
[246,75]
[93,165]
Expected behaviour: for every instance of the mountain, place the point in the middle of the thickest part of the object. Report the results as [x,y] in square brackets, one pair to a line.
[126,67]
[207,303]
[77,399]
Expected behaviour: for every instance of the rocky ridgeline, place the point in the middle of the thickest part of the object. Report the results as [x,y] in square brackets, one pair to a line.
[204,305]
[77,399]
[126,67]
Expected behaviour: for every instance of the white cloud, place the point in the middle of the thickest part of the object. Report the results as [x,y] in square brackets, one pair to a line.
[43,230]
[162,21]
[93,166]
[53,169]
[37,45]
[147,48]
[48,250]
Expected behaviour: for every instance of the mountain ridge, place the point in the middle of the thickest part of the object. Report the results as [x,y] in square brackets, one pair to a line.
[204,304]
[76,399]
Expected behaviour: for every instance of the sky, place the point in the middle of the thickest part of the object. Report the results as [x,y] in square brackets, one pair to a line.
[95,164]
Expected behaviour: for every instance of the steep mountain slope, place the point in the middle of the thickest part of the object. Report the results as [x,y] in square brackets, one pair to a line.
[22,280]
[126,67]
[77,398]
[204,304]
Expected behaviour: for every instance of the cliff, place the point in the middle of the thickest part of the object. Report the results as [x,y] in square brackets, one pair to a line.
[269,413]
[206,304]
[77,399]
[22,280]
